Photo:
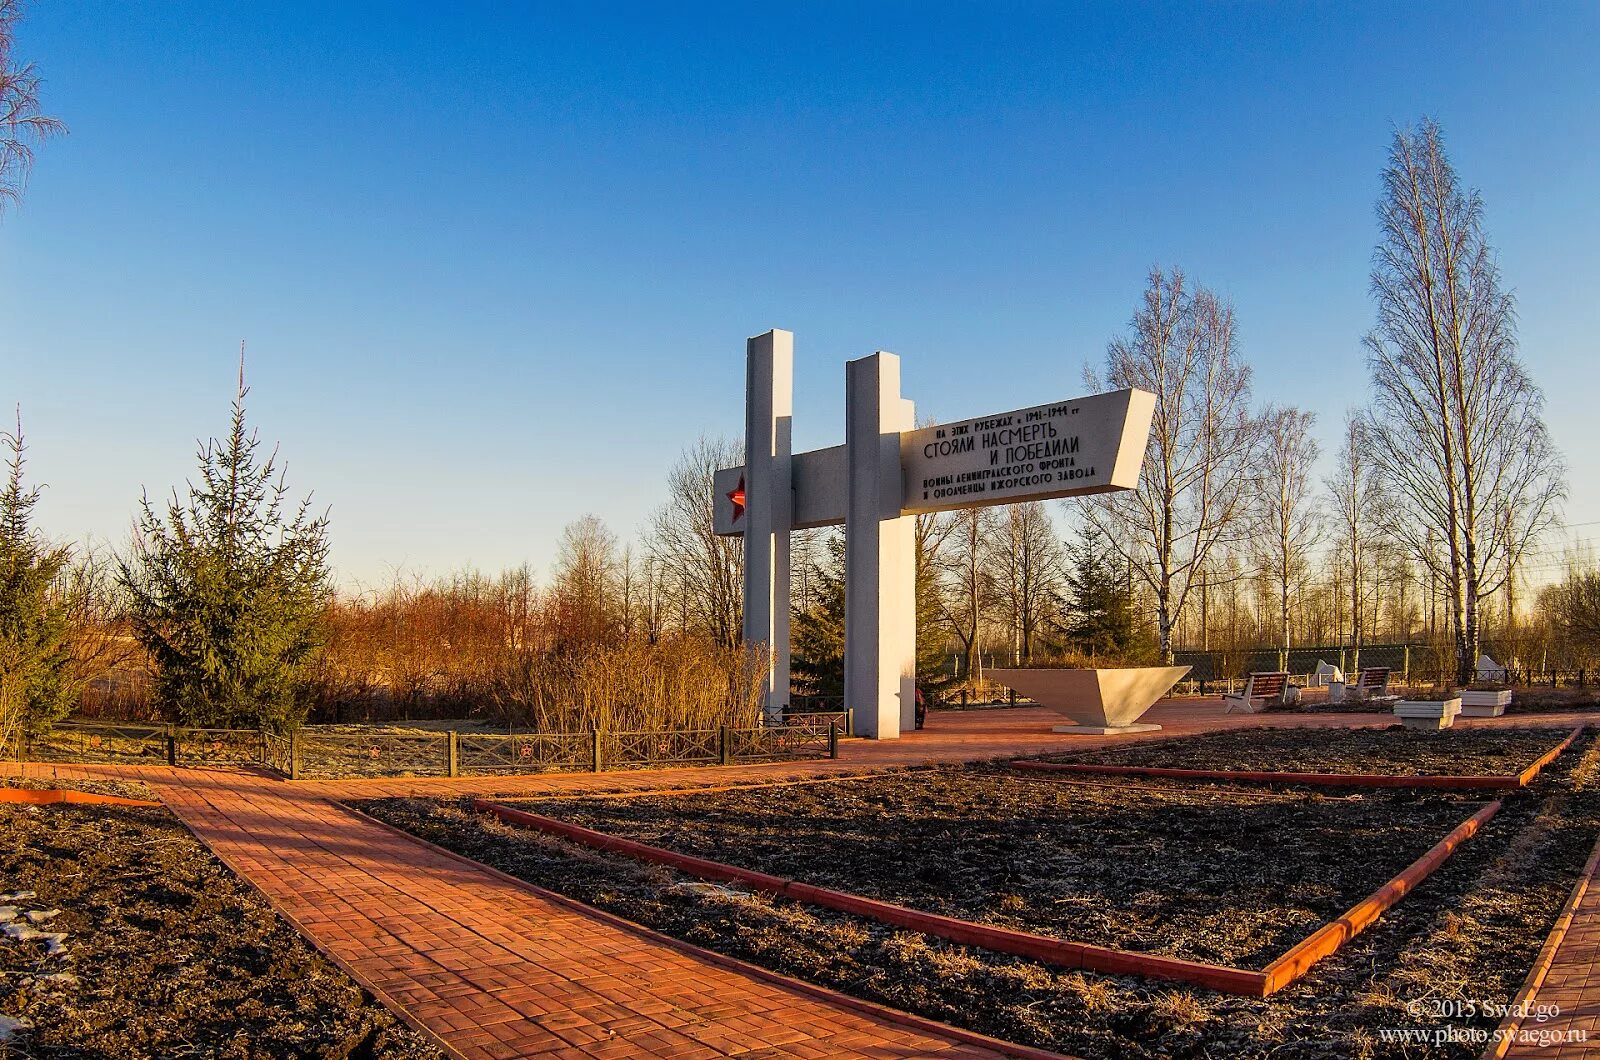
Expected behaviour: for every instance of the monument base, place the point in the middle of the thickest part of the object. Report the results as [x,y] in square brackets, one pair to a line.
[1102,701]
[1104,730]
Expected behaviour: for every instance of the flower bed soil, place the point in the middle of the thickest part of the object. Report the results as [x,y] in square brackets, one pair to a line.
[1469,932]
[167,953]
[122,789]
[1218,875]
[1395,750]
[1534,700]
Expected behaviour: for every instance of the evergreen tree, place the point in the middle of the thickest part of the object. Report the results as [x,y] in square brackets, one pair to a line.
[1099,619]
[228,591]
[38,676]
[817,630]
[817,625]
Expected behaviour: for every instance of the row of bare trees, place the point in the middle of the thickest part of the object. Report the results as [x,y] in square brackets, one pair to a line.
[1449,469]
[1440,491]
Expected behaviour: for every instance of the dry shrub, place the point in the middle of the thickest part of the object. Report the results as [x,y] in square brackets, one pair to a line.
[123,691]
[684,682]
[502,650]
[420,650]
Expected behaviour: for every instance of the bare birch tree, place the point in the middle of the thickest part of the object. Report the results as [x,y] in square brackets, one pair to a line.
[1456,423]
[21,124]
[1194,489]
[1288,458]
[971,583]
[1029,565]
[706,569]
[585,585]
[933,531]
[1354,490]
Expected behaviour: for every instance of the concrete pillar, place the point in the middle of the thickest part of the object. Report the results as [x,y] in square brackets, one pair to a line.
[880,603]
[769,504]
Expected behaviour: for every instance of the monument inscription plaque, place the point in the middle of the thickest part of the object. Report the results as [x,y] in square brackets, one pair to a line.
[1064,449]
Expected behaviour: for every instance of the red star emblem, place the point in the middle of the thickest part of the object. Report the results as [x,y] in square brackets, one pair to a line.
[737,497]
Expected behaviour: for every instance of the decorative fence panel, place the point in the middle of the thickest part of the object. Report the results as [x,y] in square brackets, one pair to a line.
[99,744]
[377,754]
[529,752]
[648,749]
[817,721]
[211,747]
[785,741]
[278,754]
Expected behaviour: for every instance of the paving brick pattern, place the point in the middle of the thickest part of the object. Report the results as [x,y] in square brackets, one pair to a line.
[1571,987]
[492,968]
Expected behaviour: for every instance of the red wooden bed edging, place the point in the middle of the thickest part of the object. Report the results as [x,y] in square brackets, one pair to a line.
[1502,782]
[1283,971]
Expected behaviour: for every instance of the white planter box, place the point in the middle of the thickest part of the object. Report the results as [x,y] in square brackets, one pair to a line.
[1488,704]
[1427,713]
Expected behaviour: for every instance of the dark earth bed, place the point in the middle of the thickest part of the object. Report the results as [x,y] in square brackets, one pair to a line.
[168,953]
[1468,933]
[122,789]
[1212,874]
[1395,750]
[1534,700]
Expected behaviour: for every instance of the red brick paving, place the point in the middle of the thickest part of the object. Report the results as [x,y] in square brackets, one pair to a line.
[1569,984]
[492,968]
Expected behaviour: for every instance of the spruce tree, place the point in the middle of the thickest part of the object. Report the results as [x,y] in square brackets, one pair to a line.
[817,631]
[228,590]
[1099,620]
[38,676]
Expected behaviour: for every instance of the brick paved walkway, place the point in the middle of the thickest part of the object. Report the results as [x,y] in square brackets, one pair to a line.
[1571,986]
[493,968]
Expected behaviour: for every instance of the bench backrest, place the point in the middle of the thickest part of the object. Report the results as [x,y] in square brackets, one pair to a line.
[1266,685]
[1375,677]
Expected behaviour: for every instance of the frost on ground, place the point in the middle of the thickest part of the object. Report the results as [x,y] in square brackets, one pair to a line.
[55,942]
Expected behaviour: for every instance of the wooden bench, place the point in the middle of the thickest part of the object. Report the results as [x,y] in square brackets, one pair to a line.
[1260,691]
[1372,686]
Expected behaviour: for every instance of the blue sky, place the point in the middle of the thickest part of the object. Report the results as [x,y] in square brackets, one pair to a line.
[495,268]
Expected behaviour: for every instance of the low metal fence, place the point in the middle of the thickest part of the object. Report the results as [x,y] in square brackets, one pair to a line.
[312,752]
[277,753]
[530,752]
[782,741]
[98,743]
[128,744]
[818,721]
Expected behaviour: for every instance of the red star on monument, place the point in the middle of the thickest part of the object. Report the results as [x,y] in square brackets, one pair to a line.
[737,497]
